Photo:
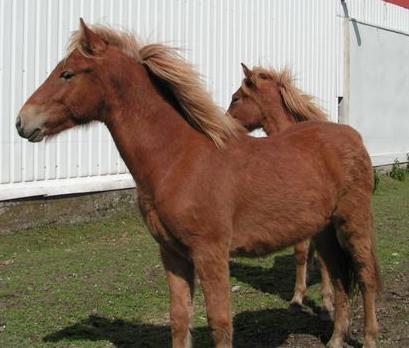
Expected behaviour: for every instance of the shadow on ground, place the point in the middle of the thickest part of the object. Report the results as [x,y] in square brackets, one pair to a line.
[278,280]
[263,328]
[266,328]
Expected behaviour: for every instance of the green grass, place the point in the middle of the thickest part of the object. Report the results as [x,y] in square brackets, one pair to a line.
[391,210]
[102,285]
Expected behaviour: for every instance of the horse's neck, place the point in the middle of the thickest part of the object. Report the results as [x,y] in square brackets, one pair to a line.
[148,132]
[276,117]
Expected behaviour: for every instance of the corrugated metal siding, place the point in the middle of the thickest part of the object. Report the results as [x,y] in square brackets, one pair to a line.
[374,12]
[379,86]
[377,48]
[379,12]
[217,36]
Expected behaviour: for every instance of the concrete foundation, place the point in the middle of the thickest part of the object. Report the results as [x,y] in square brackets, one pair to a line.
[25,213]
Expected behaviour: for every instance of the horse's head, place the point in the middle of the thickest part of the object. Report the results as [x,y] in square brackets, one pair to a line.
[270,99]
[73,94]
[248,102]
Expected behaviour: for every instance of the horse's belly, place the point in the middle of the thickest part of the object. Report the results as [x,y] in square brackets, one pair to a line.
[259,240]
[253,248]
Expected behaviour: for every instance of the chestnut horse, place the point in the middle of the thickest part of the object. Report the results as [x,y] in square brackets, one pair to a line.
[205,188]
[280,107]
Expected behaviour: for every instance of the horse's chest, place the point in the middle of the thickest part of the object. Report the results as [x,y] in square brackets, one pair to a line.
[159,231]
[151,217]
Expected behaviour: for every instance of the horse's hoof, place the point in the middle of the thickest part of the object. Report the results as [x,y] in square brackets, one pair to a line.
[335,343]
[295,308]
[369,343]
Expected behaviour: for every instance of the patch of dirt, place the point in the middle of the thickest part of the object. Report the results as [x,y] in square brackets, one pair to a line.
[306,329]
[392,313]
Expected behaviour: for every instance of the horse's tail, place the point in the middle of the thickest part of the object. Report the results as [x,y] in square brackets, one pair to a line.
[346,266]
[359,268]
[353,218]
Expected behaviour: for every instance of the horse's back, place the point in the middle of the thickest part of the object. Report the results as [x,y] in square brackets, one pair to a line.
[292,182]
[321,145]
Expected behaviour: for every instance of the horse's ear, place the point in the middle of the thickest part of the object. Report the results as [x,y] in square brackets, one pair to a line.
[247,72]
[90,41]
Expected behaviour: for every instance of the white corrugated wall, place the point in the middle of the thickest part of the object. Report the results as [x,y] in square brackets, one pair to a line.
[216,34]
[378,50]
[379,13]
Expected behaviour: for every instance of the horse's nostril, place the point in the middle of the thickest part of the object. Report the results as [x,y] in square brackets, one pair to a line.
[19,127]
[18,123]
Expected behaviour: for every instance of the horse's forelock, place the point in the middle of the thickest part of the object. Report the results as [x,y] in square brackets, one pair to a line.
[123,40]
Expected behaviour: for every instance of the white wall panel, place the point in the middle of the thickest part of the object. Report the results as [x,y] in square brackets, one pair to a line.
[216,34]
[378,12]
[379,88]
[376,71]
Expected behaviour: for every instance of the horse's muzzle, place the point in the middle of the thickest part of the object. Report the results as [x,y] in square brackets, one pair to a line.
[28,126]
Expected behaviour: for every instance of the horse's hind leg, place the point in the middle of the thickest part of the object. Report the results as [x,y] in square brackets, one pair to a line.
[180,276]
[333,256]
[301,257]
[355,230]
[327,294]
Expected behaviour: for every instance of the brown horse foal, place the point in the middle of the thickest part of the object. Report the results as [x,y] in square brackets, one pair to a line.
[282,106]
[205,188]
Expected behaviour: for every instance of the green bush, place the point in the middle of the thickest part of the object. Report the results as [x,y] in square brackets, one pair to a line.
[397,172]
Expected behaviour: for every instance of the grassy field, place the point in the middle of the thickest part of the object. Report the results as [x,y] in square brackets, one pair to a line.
[102,285]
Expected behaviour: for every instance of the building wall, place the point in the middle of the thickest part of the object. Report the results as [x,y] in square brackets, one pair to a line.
[216,36]
[379,86]
[376,71]
[378,13]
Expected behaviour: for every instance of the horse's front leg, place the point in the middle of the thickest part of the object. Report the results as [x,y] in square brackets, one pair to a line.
[180,276]
[212,267]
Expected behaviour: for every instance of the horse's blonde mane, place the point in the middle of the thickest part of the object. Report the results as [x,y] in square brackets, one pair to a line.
[186,84]
[299,104]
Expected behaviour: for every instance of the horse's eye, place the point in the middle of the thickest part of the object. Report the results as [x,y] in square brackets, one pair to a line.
[234,98]
[66,75]
[249,83]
